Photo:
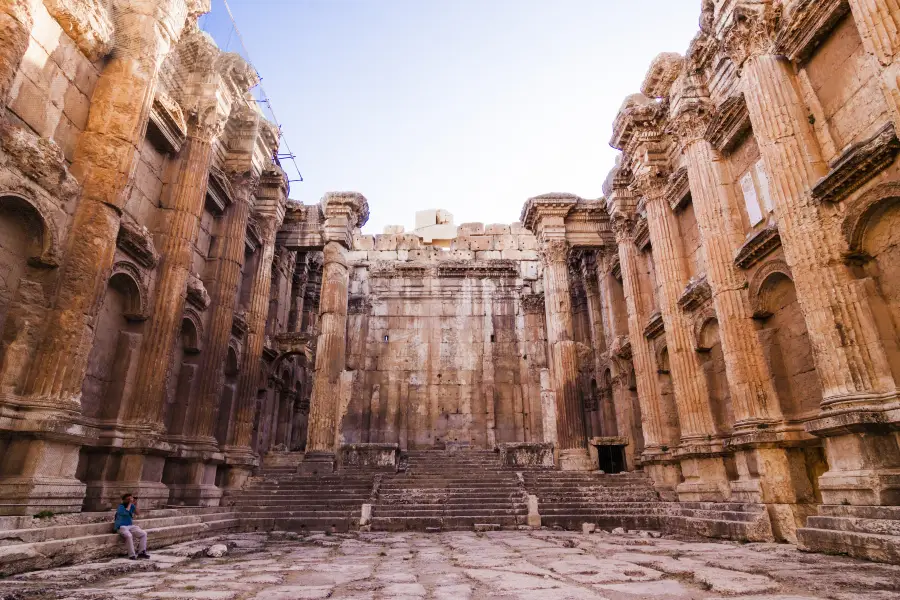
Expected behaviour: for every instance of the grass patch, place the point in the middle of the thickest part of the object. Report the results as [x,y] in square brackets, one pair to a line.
[45,514]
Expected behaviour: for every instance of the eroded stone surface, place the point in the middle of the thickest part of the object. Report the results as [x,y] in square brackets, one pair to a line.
[464,565]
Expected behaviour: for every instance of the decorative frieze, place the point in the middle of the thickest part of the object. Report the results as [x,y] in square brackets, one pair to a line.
[493,269]
[759,245]
[858,165]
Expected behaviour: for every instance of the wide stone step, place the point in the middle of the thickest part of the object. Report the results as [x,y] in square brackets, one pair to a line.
[573,521]
[300,524]
[888,513]
[869,546]
[857,525]
[760,530]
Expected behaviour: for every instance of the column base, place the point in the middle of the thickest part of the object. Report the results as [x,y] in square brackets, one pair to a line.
[192,483]
[31,495]
[191,494]
[318,463]
[576,459]
[705,480]
[665,477]
[116,474]
[864,470]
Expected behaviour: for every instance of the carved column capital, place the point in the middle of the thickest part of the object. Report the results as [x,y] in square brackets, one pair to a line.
[344,212]
[651,181]
[554,252]
[623,225]
[749,29]
[245,185]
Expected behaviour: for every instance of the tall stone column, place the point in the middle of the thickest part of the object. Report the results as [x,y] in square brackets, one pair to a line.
[104,162]
[570,430]
[601,416]
[753,394]
[270,208]
[850,358]
[16,22]
[878,22]
[343,213]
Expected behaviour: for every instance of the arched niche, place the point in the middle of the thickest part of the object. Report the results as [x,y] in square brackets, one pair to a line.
[668,408]
[229,394]
[118,333]
[45,251]
[712,362]
[185,371]
[786,342]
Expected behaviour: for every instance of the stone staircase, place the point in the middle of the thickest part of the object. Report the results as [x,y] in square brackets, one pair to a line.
[870,532]
[567,499]
[725,520]
[450,490]
[28,543]
[281,498]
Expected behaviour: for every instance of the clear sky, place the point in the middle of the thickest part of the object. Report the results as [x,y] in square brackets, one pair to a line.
[469,105]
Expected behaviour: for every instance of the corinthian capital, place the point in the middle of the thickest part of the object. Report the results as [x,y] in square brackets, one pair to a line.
[555,252]
[749,28]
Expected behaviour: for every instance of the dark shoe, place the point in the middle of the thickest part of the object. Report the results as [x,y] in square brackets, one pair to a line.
[143,555]
[132,558]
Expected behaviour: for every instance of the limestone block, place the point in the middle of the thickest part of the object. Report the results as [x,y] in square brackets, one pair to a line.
[217,551]
[386,242]
[480,242]
[496,229]
[488,255]
[470,229]
[403,255]
[529,270]
[357,256]
[518,229]
[409,241]
[386,255]
[457,255]
[366,515]
[528,455]
[527,242]
[534,517]
[505,242]
[461,243]
[364,242]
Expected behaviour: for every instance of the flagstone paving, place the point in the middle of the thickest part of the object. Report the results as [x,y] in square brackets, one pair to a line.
[539,565]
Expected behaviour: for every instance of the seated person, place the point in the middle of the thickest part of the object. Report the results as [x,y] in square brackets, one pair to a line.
[123,524]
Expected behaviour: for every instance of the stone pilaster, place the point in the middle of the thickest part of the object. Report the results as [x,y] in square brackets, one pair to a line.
[270,208]
[850,357]
[343,212]
[16,22]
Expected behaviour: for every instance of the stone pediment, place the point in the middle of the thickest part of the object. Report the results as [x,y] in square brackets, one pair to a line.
[678,193]
[136,241]
[806,24]
[641,233]
[218,192]
[168,125]
[695,295]
[759,245]
[730,124]
[857,165]
[655,326]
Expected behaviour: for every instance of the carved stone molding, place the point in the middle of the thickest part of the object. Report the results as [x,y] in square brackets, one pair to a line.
[858,165]
[749,29]
[700,322]
[641,233]
[193,340]
[391,270]
[555,251]
[138,294]
[479,270]
[533,304]
[136,241]
[253,239]
[218,192]
[168,130]
[621,347]
[860,211]
[239,326]
[617,270]
[756,286]
[730,125]
[758,246]
[696,294]
[678,194]
[806,24]
[655,326]
[196,293]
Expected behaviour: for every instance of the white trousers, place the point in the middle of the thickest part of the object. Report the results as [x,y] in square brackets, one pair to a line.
[129,532]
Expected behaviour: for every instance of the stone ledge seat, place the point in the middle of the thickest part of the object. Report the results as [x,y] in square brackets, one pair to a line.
[869,532]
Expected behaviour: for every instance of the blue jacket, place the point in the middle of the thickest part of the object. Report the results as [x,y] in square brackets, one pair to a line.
[123,516]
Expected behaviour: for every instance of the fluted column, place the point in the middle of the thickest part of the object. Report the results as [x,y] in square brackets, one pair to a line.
[655,433]
[753,394]
[850,358]
[600,417]
[182,219]
[878,22]
[691,395]
[105,160]
[223,287]
[570,432]
[16,22]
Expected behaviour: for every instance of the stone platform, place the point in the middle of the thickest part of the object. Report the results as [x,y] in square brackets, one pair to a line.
[506,565]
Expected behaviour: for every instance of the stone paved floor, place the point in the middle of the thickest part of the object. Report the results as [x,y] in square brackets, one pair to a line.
[539,565]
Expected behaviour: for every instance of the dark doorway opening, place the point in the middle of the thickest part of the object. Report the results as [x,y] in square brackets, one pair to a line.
[612,458]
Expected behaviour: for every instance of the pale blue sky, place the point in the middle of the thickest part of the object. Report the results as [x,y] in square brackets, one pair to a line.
[469,105]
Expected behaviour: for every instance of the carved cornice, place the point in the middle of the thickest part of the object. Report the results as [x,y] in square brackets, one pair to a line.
[617,270]
[218,192]
[253,238]
[239,326]
[730,124]
[393,270]
[758,246]
[196,292]
[678,194]
[696,294]
[533,304]
[621,347]
[663,72]
[858,165]
[169,123]
[655,326]
[344,212]
[136,241]
[548,205]
[493,269]
[806,24]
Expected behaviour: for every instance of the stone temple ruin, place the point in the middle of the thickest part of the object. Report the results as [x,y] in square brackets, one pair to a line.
[711,348]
